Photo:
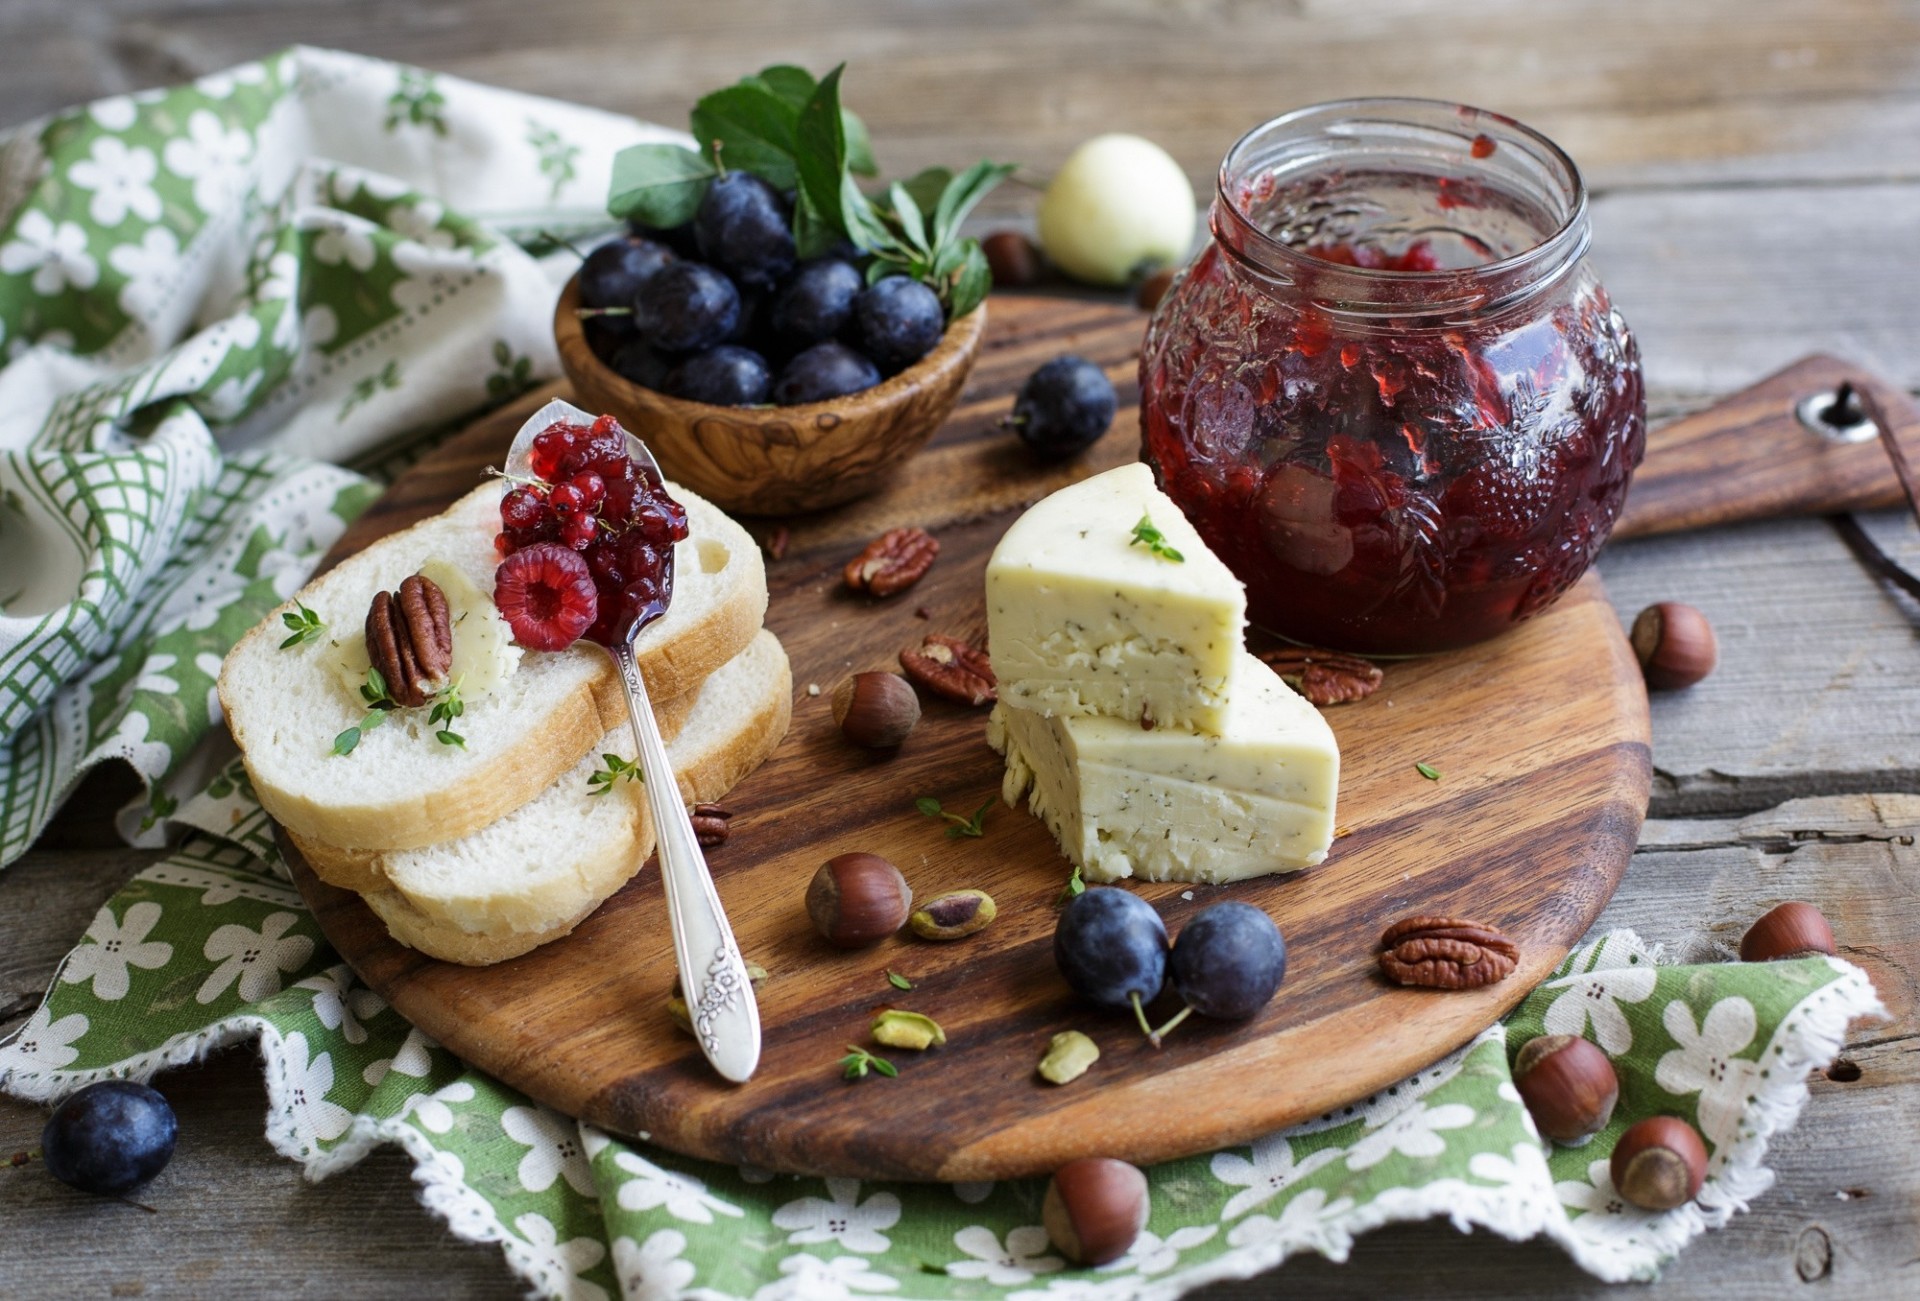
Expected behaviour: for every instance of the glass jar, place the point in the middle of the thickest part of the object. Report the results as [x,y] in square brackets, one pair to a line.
[1390,393]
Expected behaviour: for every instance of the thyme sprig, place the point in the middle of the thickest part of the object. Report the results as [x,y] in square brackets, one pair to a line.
[974,826]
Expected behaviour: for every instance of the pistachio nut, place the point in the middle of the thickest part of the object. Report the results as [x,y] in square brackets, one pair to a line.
[953,915]
[896,1028]
[1069,1054]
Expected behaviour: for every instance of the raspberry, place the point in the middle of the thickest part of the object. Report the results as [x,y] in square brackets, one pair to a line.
[546,596]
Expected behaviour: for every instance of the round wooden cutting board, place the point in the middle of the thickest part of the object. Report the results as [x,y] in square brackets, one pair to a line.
[1540,739]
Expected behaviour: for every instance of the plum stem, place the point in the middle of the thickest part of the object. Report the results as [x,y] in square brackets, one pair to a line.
[1157,1035]
[1140,1015]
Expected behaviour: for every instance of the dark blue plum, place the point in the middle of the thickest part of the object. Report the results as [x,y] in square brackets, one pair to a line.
[680,239]
[897,321]
[1111,947]
[687,307]
[1228,961]
[727,376]
[607,335]
[745,228]
[826,370]
[612,274]
[816,302]
[637,363]
[110,1137]
[1063,408]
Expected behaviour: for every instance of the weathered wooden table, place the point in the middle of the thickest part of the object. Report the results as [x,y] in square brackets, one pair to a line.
[1755,166]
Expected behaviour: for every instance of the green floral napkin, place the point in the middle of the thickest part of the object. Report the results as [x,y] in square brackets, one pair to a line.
[206,294]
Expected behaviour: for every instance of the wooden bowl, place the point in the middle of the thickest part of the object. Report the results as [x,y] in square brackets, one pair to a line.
[778,460]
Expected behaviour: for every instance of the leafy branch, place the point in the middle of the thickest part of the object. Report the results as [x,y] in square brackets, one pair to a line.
[1145,534]
[858,1061]
[614,768]
[306,625]
[974,826]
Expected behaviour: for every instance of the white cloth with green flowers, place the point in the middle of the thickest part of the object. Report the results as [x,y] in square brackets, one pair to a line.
[210,298]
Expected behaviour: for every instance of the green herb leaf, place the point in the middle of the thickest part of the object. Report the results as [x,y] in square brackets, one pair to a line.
[306,625]
[748,127]
[897,980]
[448,706]
[375,692]
[912,226]
[928,806]
[973,826]
[1145,534]
[1428,771]
[794,85]
[859,145]
[963,193]
[614,768]
[658,185]
[1076,884]
[447,737]
[972,284]
[858,1061]
[927,186]
[821,152]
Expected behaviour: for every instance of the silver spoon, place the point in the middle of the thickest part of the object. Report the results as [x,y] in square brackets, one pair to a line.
[713,977]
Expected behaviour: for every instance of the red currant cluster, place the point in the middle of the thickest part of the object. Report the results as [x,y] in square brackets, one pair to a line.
[586,544]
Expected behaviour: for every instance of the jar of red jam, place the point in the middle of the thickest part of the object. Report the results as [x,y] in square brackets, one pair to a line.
[1391,394]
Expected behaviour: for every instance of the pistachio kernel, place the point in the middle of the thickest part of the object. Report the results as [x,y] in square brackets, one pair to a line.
[895,1028]
[953,915]
[1069,1054]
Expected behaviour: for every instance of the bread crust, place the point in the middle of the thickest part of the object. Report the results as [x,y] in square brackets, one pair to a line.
[673,666]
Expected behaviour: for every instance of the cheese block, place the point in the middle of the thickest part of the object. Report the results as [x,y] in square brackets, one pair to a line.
[1082,620]
[1168,805]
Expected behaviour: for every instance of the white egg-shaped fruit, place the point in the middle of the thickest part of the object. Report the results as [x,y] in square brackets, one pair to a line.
[1118,205]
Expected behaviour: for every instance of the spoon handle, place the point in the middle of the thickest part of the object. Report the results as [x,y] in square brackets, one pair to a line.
[713,978]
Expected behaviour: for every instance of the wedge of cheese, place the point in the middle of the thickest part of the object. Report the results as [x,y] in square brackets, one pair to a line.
[1082,620]
[1169,805]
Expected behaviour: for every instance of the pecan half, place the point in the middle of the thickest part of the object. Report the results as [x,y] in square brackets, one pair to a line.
[892,562]
[951,668]
[711,824]
[777,542]
[410,640]
[1446,953]
[1324,677]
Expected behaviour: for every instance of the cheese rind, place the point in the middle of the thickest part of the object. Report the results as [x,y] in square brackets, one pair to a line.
[1083,622]
[1167,805]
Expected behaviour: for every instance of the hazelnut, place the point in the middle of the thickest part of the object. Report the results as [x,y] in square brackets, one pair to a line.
[1793,930]
[876,710]
[858,899]
[1568,1085]
[1013,258]
[1675,645]
[1153,289]
[1659,1163]
[1094,1209]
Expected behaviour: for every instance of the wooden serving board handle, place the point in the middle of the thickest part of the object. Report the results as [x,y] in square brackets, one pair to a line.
[1750,456]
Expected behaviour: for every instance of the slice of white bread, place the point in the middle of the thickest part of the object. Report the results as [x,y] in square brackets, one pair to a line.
[535,874]
[400,788]
[363,869]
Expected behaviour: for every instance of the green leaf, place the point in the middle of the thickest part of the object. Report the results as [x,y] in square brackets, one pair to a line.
[908,213]
[344,743]
[859,144]
[928,805]
[794,85]
[821,152]
[1428,771]
[658,185]
[754,130]
[963,193]
[897,980]
[449,737]
[884,1066]
[928,185]
[971,285]
[812,233]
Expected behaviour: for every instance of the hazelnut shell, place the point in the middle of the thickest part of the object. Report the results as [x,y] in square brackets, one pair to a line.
[1014,260]
[1094,1209]
[858,899]
[1793,930]
[1659,1163]
[1675,645]
[1568,1085]
[876,710]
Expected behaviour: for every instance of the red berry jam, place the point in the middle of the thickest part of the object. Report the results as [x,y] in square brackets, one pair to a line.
[587,545]
[1390,393]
